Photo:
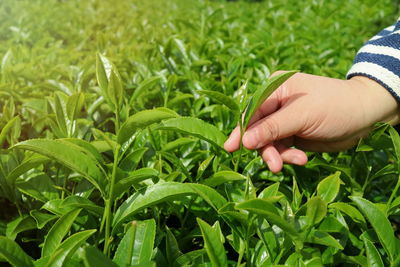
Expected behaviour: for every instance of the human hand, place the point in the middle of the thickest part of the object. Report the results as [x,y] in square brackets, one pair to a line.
[315,113]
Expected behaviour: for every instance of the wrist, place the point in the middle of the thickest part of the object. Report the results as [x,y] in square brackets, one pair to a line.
[378,104]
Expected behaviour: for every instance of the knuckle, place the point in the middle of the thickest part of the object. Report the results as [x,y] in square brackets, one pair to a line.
[271,129]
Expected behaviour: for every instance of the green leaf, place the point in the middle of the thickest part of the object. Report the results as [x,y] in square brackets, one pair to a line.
[373,257]
[323,238]
[222,99]
[268,211]
[7,128]
[329,187]
[74,105]
[137,244]
[263,93]
[60,114]
[222,177]
[93,257]
[115,89]
[12,253]
[26,165]
[141,120]
[82,203]
[213,244]
[58,232]
[165,191]
[172,247]
[381,225]
[67,248]
[316,210]
[20,224]
[134,177]
[144,86]
[349,210]
[68,155]
[270,191]
[42,218]
[40,187]
[197,128]
[103,71]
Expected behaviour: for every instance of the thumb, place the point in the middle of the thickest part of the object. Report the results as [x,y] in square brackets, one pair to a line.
[276,126]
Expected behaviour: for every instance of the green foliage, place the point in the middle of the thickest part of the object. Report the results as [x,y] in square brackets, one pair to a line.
[113,119]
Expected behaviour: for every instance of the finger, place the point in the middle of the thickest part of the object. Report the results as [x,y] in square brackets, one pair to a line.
[272,157]
[291,155]
[233,142]
[321,146]
[279,125]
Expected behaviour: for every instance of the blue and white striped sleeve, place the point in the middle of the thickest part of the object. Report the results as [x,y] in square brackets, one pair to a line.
[379,59]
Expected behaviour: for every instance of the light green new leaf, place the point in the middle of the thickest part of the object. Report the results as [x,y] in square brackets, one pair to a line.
[93,257]
[26,165]
[172,247]
[213,244]
[7,128]
[136,246]
[103,71]
[316,210]
[177,143]
[349,210]
[60,113]
[197,128]
[373,257]
[78,202]
[42,218]
[134,177]
[381,225]
[164,191]
[67,248]
[263,93]
[22,223]
[143,87]
[267,210]
[74,105]
[58,231]
[115,89]
[323,238]
[329,187]
[222,99]
[12,253]
[141,120]
[68,155]
[222,177]
[40,187]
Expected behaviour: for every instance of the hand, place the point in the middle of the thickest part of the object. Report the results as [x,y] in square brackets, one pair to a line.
[315,113]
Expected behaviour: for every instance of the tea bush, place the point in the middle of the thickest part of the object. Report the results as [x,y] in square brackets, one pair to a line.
[113,120]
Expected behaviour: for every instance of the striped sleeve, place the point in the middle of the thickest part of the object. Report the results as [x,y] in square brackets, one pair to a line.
[379,59]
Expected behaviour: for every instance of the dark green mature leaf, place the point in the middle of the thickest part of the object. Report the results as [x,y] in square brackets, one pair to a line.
[212,243]
[268,211]
[197,128]
[141,120]
[67,248]
[40,187]
[323,238]
[329,187]
[58,231]
[222,99]
[263,93]
[84,203]
[161,192]
[172,247]
[26,165]
[381,225]
[68,155]
[137,244]
[12,253]
[42,218]
[373,257]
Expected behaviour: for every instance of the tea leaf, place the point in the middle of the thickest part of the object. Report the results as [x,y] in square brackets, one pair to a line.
[373,257]
[316,210]
[212,242]
[197,128]
[141,120]
[12,253]
[58,231]
[222,99]
[329,187]
[93,257]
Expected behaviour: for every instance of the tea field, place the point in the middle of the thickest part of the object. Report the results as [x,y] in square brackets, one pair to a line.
[113,119]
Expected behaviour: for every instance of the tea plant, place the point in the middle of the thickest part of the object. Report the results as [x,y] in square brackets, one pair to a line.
[113,121]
